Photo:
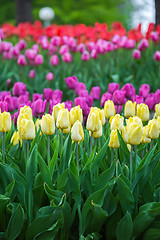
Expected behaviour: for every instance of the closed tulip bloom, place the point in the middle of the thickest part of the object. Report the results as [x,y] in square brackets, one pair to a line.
[98,133]
[56,110]
[100,112]
[145,139]
[76,114]
[134,119]
[157,109]
[26,110]
[109,109]
[143,112]
[125,134]
[48,124]
[129,109]
[116,122]
[77,134]
[93,122]
[153,129]
[114,141]
[5,122]
[26,129]
[135,133]
[63,119]
[16,139]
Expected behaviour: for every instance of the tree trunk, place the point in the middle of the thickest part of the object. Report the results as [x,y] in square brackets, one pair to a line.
[157,11]
[24,11]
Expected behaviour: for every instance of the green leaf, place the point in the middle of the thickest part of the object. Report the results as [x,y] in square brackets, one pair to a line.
[31,167]
[46,176]
[15,223]
[62,180]
[125,227]
[125,196]
[152,234]
[9,189]
[53,194]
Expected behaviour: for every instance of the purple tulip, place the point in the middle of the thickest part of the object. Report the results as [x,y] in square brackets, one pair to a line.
[80,86]
[32,73]
[8,99]
[48,93]
[22,44]
[19,88]
[63,49]
[67,57]
[112,87]
[3,106]
[105,97]
[38,59]
[54,61]
[157,56]
[119,97]
[56,41]
[144,90]
[39,107]
[95,93]
[21,60]
[155,36]
[37,96]
[157,96]
[139,99]
[130,90]
[150,101]
[68,105]
[89,101]
[57,95]
[71,82]
[83,93]
[81,47]
[3,94]
[82,103]
[36,48]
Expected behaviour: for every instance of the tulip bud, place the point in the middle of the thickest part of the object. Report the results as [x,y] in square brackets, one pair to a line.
[5,122]
[109,109]
[93,122]
[143,111]
[116,122]
[145,139]
[48,124]
[153,129]
[135,133]
[76,114]
[126,171]
[16,139]
[77,134]
[63,119]
[56,110]
[26,129]
[114,141]
[157,109]
[129,109]
[98,133]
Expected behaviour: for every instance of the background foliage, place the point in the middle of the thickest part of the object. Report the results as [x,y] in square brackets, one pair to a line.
[74,11]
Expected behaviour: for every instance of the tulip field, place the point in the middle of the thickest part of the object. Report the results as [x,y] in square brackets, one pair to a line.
[79,132]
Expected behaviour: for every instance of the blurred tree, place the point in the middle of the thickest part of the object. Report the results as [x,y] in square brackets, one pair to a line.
[24,11]
[157,11]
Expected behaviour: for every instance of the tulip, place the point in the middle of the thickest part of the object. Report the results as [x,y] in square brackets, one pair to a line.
[19,88]
[150,101]
[112,87]
[143,111]
[48,124]
[63,119]
[3,106]
[129,109]
[71,82]
[98,133]
[129,89]
[37,96]
[76,114]
[157,56]
[38,125]
[116,122]
[85,56]
[54,61]
[93,122]
[144,90]
[139,99]
[57,95]
[118,97]
[67,57]
[105,97]
[153,129]
[68,104]
[31,54]
[114,141]
[134,132]
[145,139]
[32,74]
[16,139]
[157,96]
[56,110]
[83,93]
[79,86]
[48,92]
[27,111]
[77,134]
[26,129]
[109,109]
[157,109]
[21,60]
[5,122]
[95,93]
[39,107]
[49,76]
[38,59]
[136,54]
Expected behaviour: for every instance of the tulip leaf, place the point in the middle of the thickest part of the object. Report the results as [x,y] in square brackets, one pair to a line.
[53,194]
[46,176]
[9,189]
[152,234]
[63,180]
[15,223]
[31,167]
[125,227]
[125,196]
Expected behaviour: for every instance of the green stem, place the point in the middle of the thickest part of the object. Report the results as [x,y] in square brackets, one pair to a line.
[30,205]
[80,221]
[131,163]
[77,155]
[117,168]
[27,149]
[91,142]
[151,144]
[112,156]
[61,140]
[3,146]
[135,156]
[48,158]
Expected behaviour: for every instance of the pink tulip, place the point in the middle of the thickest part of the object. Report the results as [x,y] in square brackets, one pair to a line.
[54,60]
[144,90]
[157,56]
[32,73]
[49,76]
[95,93]
[119,97]
[38,59]
[136,54]
[105,97]
[71,82]
[19,88]
[67,57]
[112,87]
[21,60]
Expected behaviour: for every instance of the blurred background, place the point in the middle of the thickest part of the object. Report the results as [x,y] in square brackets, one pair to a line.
[129,12]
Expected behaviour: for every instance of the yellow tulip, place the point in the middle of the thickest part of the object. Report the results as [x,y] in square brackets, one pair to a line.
[93,122]
[153,129]
[98,133]
[135,133]
[145,139]
[116,122]
[100,112]
[134,119]
[5,122]
[158,119]
[63,119]
[157,109]
[27,111]
[48,124]
[77,134]
[125,134]
[143,111]
[26,129]
[16,139]
[109,109]
[67,130]
[76,114]
[56,110]
[38,125]
[129,109]
[114,141]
